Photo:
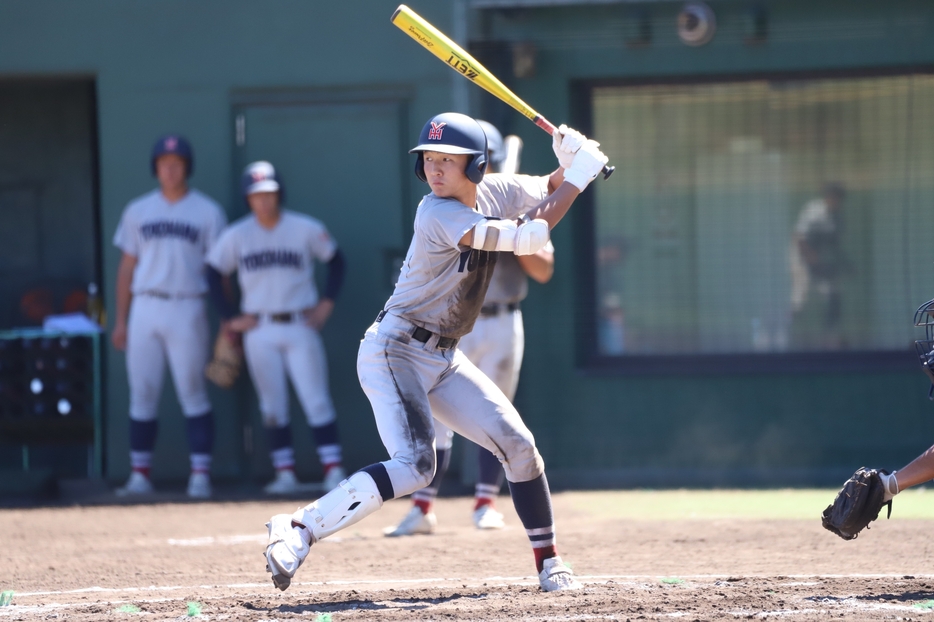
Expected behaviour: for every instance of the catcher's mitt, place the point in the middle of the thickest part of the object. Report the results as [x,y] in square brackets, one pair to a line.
[224,368]
[857,504]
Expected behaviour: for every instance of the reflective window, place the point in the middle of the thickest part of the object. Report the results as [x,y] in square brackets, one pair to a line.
[764,216]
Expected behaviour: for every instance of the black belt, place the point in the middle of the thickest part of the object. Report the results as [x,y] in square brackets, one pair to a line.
[281,318]
[496,308]
[423,335]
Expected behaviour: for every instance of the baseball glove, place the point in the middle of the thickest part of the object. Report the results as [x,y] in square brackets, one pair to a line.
[856,505]
[224,369]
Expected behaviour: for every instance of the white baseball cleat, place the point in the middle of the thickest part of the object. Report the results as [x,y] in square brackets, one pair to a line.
[285,483]
[486,517]
[414,523]
[333,478]
[286,550]
[556,576]
[138,484]
[199,485]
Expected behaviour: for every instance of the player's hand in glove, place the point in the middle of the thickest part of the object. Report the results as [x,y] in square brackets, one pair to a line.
[857,504]
[224,368]
[565,142]
[587,163]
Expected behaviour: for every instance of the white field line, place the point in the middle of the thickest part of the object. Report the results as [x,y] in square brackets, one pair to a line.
[232,540]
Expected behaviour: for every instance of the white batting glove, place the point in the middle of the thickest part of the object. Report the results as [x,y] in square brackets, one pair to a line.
[531,237]
[565,142]
[587,164]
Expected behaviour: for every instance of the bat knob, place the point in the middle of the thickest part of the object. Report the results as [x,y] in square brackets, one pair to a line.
[607,171]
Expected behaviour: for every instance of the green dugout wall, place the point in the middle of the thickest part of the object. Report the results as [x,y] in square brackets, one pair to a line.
[313,81]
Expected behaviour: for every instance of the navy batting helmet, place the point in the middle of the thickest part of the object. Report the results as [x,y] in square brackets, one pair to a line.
[455,133]
[494,142]
[173,143]
[260,176]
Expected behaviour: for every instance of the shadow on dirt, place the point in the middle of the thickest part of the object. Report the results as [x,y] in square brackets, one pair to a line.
[357,604]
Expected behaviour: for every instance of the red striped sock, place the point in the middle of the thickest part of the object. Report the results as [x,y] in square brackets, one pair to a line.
[329,466]
[543,553]
[479,502]
[424,505]
[143,470]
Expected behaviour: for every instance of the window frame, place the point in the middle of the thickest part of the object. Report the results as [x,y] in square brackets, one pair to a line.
[590,361]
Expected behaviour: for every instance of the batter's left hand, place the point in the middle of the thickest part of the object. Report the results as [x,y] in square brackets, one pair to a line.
[565,143]
[317,316]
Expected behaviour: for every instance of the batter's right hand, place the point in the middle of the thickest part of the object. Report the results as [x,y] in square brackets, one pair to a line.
[118,336]
[241,323]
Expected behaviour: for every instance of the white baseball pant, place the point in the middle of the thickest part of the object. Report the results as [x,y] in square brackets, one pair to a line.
[175,329]
[409,383]
[274,350]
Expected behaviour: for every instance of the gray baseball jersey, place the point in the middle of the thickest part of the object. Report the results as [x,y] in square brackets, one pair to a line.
[509,282]
[169,241]
[441,286]
[275,268]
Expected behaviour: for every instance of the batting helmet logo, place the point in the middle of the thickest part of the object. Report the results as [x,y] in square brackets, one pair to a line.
[436,129]
[171,143]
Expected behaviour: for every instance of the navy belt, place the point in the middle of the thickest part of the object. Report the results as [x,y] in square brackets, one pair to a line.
[423,335]
[496,308]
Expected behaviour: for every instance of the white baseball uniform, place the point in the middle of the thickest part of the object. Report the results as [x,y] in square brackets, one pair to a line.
[275,270]
[440,291]
[167,318]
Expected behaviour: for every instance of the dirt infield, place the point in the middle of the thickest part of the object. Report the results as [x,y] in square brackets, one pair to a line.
[203,561]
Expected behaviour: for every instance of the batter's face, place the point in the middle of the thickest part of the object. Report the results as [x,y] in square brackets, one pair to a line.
[265,206]
[446,176]
[171,171]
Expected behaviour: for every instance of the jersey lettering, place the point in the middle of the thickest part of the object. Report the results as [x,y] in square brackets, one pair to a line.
[170,229]
[473,259]
[271,259]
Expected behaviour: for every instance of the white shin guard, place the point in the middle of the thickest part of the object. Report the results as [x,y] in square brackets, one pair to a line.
[354,499]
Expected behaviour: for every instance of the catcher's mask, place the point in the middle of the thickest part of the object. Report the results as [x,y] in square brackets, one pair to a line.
[924,316]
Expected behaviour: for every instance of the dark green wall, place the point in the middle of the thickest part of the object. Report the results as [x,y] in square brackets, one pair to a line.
[176,65]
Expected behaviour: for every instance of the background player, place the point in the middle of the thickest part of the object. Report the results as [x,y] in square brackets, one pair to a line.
[495,346]
[408,363]
[160,312]
[273,252]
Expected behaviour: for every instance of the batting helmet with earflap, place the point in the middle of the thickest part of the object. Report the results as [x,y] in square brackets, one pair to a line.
[494,142]
[173,143]
[455,133]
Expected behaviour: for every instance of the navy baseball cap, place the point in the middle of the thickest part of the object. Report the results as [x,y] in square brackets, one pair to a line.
[259,177]
[173,143]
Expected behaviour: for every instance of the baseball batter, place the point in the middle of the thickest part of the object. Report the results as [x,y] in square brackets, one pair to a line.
[495,346]
[160,312]
[408,363]
[273,252]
